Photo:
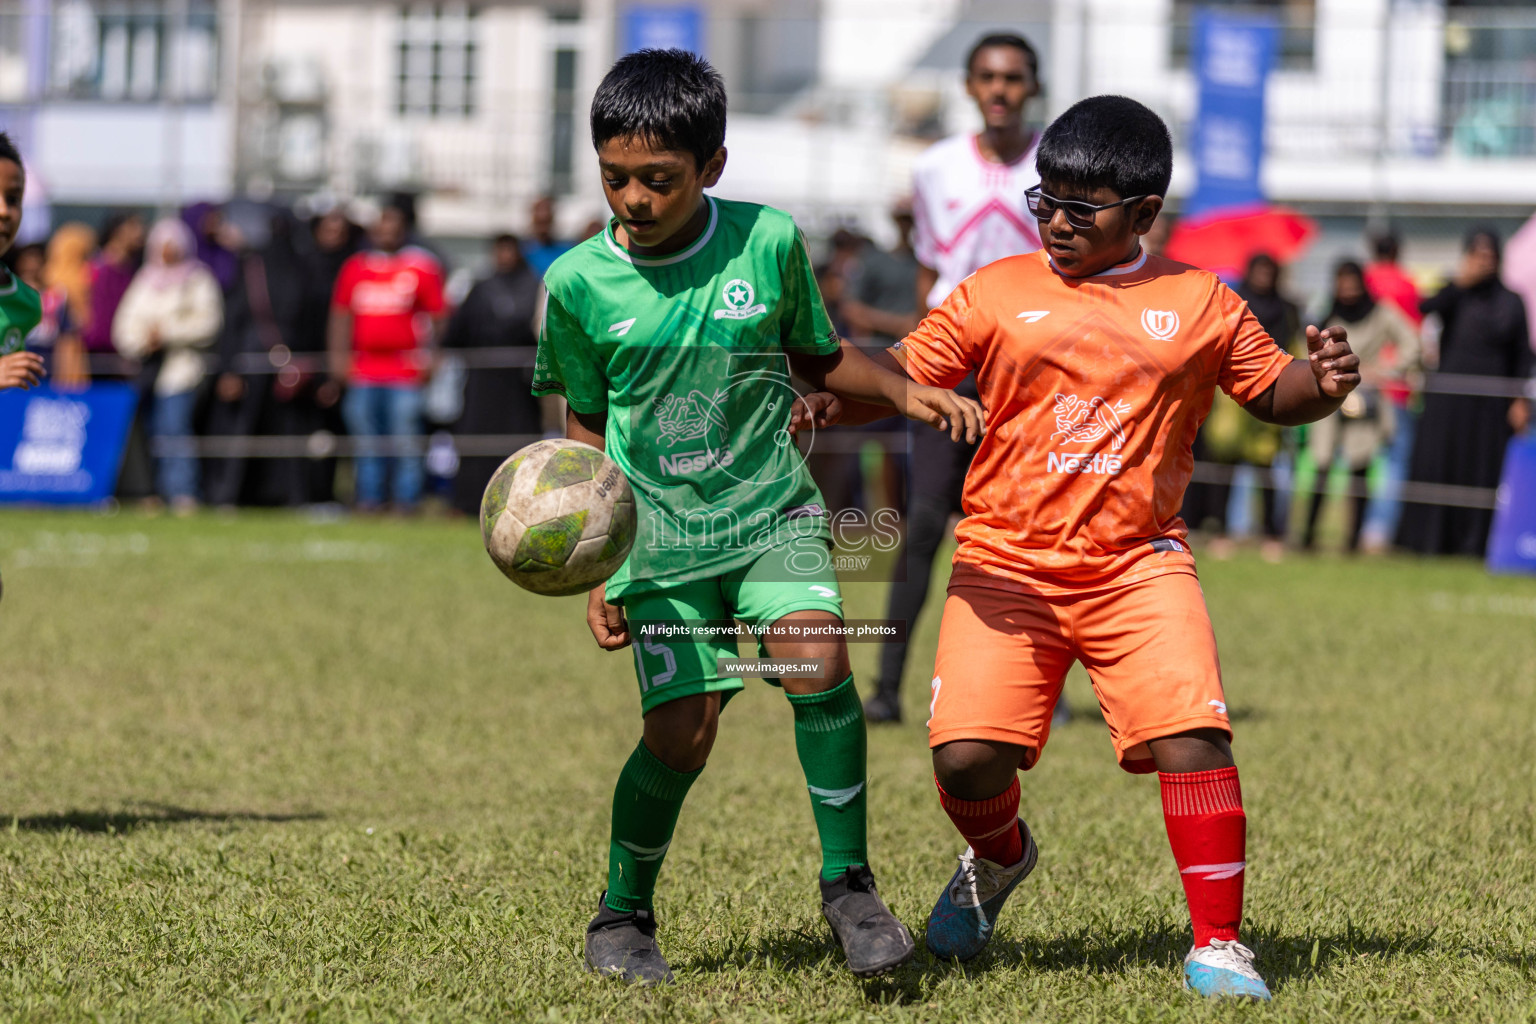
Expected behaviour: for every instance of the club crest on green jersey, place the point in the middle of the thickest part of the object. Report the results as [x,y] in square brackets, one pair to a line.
[11,341]
[738,296]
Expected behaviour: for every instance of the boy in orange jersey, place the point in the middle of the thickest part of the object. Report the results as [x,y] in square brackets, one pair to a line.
[1096,364]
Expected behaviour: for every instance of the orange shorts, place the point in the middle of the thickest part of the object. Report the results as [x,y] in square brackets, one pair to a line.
[1147,646]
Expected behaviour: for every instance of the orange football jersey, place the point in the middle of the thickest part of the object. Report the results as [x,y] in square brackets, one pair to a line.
[1094,389]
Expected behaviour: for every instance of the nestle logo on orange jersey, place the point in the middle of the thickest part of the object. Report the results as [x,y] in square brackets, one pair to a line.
[1098,464]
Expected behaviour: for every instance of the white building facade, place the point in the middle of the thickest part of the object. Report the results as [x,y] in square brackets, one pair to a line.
[1403,108]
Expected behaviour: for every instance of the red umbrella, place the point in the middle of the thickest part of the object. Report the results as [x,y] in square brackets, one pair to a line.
[1225,240]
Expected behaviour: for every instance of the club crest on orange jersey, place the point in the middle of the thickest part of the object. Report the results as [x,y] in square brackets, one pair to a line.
[1161,324]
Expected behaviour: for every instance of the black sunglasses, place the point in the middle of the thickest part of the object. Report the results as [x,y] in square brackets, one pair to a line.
[1079,214]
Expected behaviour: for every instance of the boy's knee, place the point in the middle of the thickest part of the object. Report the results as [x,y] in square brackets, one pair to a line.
[682,733]
[976,769]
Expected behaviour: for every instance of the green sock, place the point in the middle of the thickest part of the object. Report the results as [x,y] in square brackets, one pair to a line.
[646,802]
[829,737]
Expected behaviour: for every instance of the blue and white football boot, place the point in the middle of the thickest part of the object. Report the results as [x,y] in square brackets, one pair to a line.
[1224,969]
[962,920]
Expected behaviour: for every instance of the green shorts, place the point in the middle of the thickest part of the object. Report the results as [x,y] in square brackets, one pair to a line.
[757,594]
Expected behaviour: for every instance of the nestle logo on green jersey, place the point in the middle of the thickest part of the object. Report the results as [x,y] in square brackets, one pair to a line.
[695,461]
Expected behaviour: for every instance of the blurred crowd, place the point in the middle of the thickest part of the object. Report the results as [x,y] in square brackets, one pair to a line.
[330,330]
[324,330]
[1271,484]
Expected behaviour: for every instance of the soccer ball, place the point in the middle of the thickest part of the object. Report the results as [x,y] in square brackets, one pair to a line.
[558,517]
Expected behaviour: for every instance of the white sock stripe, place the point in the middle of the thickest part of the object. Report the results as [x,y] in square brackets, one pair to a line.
[1000,831]
[1216,872]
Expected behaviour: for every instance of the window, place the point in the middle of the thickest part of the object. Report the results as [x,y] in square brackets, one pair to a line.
[435,72]
[565,38]
[1297,19]
[13,56]
[778,59]
[135,50]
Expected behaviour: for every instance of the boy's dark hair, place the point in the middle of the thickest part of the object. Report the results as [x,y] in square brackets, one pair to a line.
[506,238]
[1385,246]
[1012,39]
[8,150]
[671,99]
[1108,142]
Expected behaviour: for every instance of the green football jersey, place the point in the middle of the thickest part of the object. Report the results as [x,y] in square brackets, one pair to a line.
[687,355]
[20,310]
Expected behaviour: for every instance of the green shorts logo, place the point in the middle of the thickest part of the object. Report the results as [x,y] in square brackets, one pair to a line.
[11,341]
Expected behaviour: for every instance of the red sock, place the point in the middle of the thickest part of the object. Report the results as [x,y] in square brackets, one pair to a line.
[988,825]
[1208,832]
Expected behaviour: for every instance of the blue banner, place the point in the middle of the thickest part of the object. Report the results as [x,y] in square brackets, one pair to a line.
[1232,60]
[63,448]
[1512,544]
[670,27]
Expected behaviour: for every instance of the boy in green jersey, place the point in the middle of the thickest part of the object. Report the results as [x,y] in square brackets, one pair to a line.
[20,306]
[672,336]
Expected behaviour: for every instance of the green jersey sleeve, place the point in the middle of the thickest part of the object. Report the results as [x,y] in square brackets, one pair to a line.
[568,364]
[805,325]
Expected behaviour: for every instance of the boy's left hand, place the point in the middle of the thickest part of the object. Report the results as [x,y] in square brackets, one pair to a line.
[816,410]
[1334,364]
[944,410]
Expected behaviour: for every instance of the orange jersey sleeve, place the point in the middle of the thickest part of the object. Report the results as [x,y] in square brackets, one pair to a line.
[941,352]
[1253,360]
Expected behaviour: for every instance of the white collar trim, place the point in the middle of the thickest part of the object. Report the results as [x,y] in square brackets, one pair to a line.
[1117,271]
[677,257]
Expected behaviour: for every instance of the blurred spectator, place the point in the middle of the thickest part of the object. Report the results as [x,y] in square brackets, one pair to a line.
[112,270]
[380,349]
[122,246]
[1462,437]
[1230,437]
[66,291]
[1387,281]
[877,300]
[261,328]
[878,310]
[1385,341]
[172,309]
[305,402]
[541,247]
[497,313]
[206,221]
[834,277]
[592,228]
[837,473]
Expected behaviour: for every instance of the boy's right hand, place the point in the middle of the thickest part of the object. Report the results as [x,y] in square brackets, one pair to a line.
[606,620]
[944,410]
[21,370]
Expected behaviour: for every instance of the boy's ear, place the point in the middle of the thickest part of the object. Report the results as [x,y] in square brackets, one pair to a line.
[713,168]
[1146,213]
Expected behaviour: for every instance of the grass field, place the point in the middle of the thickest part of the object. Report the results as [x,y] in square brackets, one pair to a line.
[267,769]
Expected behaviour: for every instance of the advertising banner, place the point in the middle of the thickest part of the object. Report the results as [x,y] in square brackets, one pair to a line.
[61,448]
[1512,544]
[663,27]
[1232,59]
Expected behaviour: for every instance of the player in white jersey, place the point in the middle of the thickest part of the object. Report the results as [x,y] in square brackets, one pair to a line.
[968,189]
[969,210]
